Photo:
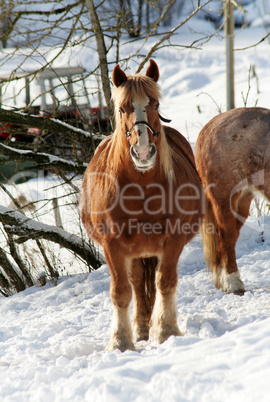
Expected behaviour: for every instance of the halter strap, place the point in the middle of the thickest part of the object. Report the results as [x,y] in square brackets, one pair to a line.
[163,119]
[142,123]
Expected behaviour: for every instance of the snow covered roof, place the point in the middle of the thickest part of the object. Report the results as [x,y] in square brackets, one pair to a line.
[47,73]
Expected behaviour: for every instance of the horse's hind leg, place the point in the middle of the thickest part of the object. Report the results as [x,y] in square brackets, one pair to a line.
[164,316]
[142,306]
[225,272]
[121,295]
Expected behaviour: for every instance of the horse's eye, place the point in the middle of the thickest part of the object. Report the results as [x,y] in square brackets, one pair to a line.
[122,110]
[157,106]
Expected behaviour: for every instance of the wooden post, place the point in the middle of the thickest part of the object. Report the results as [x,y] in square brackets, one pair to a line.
[27,92]
[57,216]
[229,34]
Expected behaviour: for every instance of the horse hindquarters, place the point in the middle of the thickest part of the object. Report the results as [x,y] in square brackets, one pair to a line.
[232,153]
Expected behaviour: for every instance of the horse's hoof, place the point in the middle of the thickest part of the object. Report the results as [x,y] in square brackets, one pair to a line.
[162,335]
[239,292]
[229,283]
[141,334]
[122,345]
[141,337]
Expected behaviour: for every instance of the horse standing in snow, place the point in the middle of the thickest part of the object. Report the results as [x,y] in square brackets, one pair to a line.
[232,154]
[141,200]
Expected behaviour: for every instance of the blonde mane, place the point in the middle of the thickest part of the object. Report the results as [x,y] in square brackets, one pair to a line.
[138,87]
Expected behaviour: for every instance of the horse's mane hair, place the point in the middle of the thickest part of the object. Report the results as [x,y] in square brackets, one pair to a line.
[167,154]
[138,87]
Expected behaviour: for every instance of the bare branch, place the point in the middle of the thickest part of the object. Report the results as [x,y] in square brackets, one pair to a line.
[53,11]
[167,37]
[10,271]
[255,44]
[19,261]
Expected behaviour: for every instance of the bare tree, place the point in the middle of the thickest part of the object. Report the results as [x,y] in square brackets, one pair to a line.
[36,132]
[61,136]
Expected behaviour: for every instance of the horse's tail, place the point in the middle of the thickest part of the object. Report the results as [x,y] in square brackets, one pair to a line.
[209,237]
[149,279]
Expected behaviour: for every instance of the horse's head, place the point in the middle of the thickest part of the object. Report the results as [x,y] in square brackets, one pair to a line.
[137,118]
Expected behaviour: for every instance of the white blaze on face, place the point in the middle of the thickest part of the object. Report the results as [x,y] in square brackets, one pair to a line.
[141,115]
[143,153]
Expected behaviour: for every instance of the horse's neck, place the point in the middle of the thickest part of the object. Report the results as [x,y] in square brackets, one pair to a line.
[119,154]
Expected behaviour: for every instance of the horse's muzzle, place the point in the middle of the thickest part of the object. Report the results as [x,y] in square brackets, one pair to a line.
[143,157]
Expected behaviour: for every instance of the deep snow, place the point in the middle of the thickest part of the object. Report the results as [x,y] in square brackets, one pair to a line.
[53,339]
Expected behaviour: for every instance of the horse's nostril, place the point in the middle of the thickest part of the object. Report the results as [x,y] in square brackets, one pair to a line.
[152,151]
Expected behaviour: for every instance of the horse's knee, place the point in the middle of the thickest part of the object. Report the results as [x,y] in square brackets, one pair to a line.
[121,294]
[166,281]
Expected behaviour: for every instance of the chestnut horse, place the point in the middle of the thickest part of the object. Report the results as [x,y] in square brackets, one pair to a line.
[141,200]
[232,154]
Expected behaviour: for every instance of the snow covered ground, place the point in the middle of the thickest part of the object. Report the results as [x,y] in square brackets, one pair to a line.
[53,338]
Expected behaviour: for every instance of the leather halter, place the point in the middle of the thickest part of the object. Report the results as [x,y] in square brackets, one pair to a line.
[163,119]
[142,123]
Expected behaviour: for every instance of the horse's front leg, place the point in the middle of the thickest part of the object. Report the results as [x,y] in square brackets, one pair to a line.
[121,295]
[164,316]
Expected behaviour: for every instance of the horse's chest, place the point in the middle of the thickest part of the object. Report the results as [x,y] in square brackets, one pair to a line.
[135,200]
[141,216]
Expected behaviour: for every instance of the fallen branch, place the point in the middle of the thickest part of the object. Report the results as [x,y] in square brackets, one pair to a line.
[43,160]
[45,123]
[18,224]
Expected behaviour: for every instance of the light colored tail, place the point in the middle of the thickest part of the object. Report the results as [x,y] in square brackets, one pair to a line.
[209,238]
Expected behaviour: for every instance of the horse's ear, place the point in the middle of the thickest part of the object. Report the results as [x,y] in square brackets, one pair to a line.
[118,76]
[153,71]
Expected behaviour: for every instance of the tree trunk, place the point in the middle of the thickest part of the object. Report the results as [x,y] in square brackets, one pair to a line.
[11,273]
[229,33]
[102,54]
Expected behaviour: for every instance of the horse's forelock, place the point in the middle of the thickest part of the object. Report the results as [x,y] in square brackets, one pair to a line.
[137,88]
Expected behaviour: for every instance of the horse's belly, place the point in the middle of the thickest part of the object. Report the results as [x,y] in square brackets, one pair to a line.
[144,238]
